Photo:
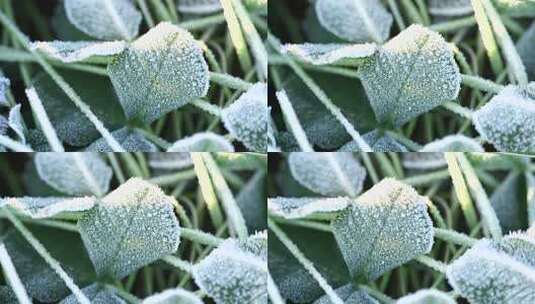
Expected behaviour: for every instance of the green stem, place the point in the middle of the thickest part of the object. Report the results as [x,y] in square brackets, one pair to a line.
[230,81]
[432,263]
[13,145]
[236,34]
[11,276]
[454,237]
[44,122]
[461,190]
[479,83]
[458,109]
[207,190]
[293,122]
[172,179]
[178,263]
[273,291]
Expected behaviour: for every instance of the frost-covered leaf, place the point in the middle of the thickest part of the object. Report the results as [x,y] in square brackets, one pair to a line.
[330,174]
[97,295]
[7,296]
[74,173]
[16,122]
[119,229]
[4,125]
[498,161]
[202,142]
[161,71]
[295,208]
[64,30]
[74,51]
[130,140]
[241,161]
[497,271]
[247,118]
[517,8]
[526,51]
[71,125]
[315,32]
[4,86]
[410,75]
[378,143]
[423,160]
[321,54]
[453,143]
[199,6]
[38,141]
[169,161]
[44,207]
[321,127]
[509,201]
[235,272]
[508,120]
[350,295]
[385,227]
[104,19]
[427,296]
[173,296]
[355,20]
[252,202]
[450,7]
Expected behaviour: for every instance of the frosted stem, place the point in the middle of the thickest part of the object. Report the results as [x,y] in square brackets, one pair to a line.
[10,273]
[44,121]
[293,122]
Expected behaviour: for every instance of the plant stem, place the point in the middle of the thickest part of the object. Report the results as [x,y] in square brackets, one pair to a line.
[273,291]
[197,24]
[172,179]
[207,107]
[479,83]
[453,25]
[178,263]
[44,121]
[13,145]
[236,34]
[146,13]
[461,190]
[293,122]
[454,237]
[432,263]
[11,276]
[424,179]
[207,190]
[458,109]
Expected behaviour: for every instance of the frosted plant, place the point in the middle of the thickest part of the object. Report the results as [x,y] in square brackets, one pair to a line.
[74,173]
[350,295]
[294,208]
[355,20]
[247,118]
[172,296]
[74,51]
[4,87]
[424,160]
[379,143]
[16,122]
[387,226]
[140,81]
[130,140]
[522,8]
[510,200]
[252,202]
[508,119]
[450,7]
[104,19]
[321,54]
[333,174]
[427,296]
[525,50]
[199,6]
[202,142]
[146,213]
[169,161]
[453,143]
[97,294]
[45,207]
[397,93]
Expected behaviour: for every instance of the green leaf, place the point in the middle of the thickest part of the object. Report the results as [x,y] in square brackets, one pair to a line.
[171,296]
[202,142]
[378,142]
[427,296]
[411,74]
[45,207]
[7,296]
[4,87]
[331,53]
[119,229]
[517,8]
[199,6]
[16,122]
[525,50]
[75,51]
[450,8]
[130,140]
[384,228]
[508,120]
[72,126]
[74,173]
[330,174]
[453,143]
[236,271]
[355,20]
[424,160]
[350,295]
[161,71]
[247,118]
[241,161]
[497,271]
[97,294]
[169,161]
[498,161]
[252,202]
[297,208]
[509,201]
[315,32]
[63,28]
[104,19]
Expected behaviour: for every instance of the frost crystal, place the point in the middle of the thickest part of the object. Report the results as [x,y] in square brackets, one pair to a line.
[199,6]
[202,142]
[497,271]
[130,140]
[169,161]
[3,125]
[450,7]
[132,218]
[453,143]
[16,122]
[247,118]
[295,208]
[97,295]
[386,227]
[321,54]
[355,20]
[329,174]
[161,71]
[427,296]
[68,51]
[410,75]
[104,19]
[74,173]
[173,296]
[509,201]
[379,143]
[4,86]
[44,207]
[235,272]
[423,160]
[350,295]
[508,120]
